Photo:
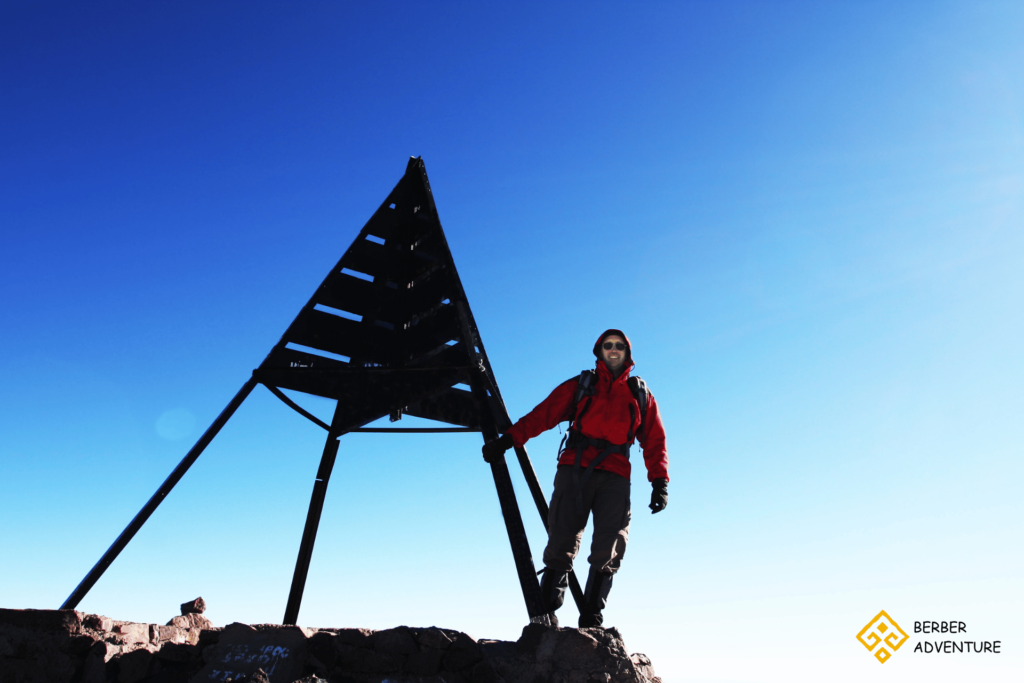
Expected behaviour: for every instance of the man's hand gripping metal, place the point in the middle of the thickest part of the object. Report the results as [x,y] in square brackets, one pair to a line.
[493,450]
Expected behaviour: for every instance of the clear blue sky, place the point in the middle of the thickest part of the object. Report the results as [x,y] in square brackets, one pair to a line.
[807,216]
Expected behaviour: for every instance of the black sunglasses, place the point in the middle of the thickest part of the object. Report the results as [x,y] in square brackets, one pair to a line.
[619,346]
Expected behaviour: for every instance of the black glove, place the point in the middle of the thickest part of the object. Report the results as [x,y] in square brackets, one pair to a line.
[659,495]
[495,449]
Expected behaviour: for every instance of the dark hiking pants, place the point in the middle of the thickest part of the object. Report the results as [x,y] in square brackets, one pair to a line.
[607,496]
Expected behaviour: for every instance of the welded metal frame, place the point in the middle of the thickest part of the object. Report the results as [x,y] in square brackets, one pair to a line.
[388,332]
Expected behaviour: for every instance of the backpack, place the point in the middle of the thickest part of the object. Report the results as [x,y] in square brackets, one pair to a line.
[585,387]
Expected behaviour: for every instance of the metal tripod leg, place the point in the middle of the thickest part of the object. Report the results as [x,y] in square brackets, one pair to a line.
[490,417]
[542,508]
[517,538]
[535,490]
[316,506]
[133,527]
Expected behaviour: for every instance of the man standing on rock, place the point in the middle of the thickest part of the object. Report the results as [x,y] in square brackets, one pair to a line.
[607,410]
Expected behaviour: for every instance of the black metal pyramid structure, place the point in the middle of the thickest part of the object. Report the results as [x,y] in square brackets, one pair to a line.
[389,332]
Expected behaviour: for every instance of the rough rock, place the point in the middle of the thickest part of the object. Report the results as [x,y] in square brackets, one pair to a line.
[63,646]
[134,666]
[258,676]
[197,606]
[643,664]
[98,623]
[322,648]
[434,637]
[356,637]
[425,663]
[131,633]
[193,620]
[463,653]
[395,642]
[242,649]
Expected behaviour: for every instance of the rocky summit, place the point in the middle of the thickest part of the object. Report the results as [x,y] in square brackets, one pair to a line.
[58,646]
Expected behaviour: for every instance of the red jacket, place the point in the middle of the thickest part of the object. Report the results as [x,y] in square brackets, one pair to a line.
[607,418]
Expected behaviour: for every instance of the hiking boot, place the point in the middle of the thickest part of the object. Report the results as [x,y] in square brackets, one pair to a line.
[595,598]
[552,588]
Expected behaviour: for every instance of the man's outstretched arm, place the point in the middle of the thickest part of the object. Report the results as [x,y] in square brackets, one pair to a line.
[547,414]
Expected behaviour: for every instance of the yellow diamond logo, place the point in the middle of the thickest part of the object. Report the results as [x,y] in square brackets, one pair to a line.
[882,636]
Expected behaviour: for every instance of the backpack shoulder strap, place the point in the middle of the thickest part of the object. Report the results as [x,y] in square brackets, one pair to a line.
[585,382]
[641,393]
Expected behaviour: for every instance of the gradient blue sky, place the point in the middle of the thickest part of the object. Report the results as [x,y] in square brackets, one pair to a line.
[807,216]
